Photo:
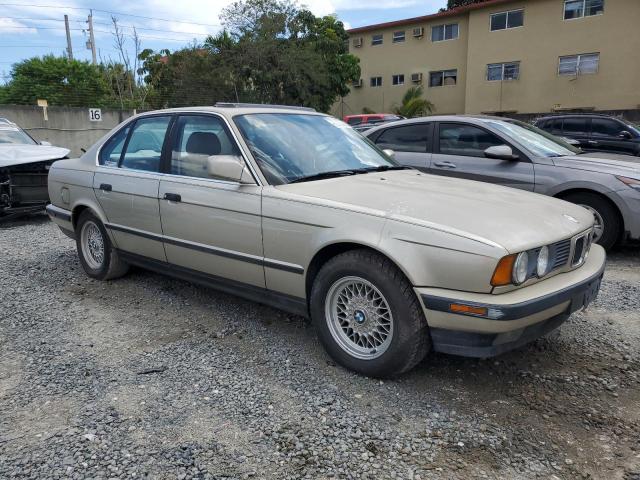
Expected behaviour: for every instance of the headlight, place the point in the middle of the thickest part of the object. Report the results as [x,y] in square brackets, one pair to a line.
[543,262]
[521,268]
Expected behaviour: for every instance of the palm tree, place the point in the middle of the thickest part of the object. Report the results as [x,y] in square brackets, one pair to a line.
[413,105]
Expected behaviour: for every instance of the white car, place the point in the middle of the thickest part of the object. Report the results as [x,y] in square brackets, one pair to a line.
[24,166]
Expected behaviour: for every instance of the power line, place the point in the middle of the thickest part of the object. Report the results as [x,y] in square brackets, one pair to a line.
[109,12]
[169,39]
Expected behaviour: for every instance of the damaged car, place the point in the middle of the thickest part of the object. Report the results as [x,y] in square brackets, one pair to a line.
[24,167]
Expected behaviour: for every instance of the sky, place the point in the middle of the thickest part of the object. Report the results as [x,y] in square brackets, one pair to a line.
[36,27]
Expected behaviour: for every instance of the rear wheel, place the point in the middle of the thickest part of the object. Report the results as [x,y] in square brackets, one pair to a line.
[608,224]
[98,257]
[367,315]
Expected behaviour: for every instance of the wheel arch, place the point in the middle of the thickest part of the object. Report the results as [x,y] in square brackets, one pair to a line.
[329,251]
[562,195]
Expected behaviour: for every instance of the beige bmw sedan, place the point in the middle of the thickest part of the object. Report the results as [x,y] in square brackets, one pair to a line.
[294,209]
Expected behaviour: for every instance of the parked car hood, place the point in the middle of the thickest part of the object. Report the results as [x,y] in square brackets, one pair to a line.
[495,215]
[12,154]
[603,163]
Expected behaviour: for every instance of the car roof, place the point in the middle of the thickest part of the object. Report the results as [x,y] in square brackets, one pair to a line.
[233,109]
[586,115]
[475,119]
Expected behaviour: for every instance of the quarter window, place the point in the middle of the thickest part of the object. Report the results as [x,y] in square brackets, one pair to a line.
[376,39]
[443,78]
[504,20]
[584,64]
[444,32]
[398,79]
[398,37]
[376,81]
[503,71]
[466,140]
[144,149]
[410,138]
[582,8]
[199,140]
[112,150]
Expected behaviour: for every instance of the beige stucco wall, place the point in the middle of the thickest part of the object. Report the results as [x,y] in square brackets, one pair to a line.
[415,55]
[538,45]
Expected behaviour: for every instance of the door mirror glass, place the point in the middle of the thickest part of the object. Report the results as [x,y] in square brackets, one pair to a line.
[229,167]
[625,134]
[500,152]
[389,153]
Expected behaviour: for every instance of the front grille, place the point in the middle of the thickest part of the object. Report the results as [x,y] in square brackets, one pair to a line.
[578,250]
[561,253]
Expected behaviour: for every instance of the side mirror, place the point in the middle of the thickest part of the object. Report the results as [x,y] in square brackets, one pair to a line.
[229,167]
[389,153]
[45,144]
[500,152]
[625,134]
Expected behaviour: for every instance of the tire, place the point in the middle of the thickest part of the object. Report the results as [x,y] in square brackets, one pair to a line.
[605,213]
[379,283]
[102,262]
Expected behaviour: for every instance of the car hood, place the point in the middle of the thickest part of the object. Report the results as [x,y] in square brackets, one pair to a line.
[602,163]
[11,154]
[498,216]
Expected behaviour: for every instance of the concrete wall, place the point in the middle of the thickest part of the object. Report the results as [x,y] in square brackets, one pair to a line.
[67,127]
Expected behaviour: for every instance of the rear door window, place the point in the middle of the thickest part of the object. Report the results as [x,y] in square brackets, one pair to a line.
[144,148]
[407,138]
[575,126]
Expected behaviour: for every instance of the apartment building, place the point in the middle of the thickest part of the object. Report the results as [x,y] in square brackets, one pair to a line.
[504,56]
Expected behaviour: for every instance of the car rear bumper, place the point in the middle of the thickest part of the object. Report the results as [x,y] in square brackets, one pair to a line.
[513,319]
[62,218]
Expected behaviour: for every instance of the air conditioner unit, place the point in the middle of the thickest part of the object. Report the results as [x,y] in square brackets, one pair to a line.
[357,83]
[416,77]
[357,42]
[418,32]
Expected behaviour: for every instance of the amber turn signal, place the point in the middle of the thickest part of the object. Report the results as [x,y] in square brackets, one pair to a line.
[468,309]
[503,274]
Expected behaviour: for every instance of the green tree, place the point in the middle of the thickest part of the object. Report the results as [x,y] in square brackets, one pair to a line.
[58,80]
[413,105]
[461,3]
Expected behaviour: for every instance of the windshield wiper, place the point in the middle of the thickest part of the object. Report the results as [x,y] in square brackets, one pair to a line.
[381,168]
[323,175]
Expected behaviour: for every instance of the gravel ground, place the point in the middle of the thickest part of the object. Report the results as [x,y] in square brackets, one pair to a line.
[151,377]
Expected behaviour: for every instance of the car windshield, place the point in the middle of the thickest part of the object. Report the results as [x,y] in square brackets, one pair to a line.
[538,142]
[291,147]
[15,136]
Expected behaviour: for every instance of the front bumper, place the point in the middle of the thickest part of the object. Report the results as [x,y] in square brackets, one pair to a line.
[514,318]
[631,213]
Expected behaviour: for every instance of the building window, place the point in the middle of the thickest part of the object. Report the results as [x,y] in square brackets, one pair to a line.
[376,81]
[582,8]
[376,39]
[504,20]
[444,32]
[503,71]
[443,78]
[397,79]
[584,64]
[398,37]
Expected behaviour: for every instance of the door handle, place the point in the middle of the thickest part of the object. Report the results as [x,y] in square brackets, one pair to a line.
[172,197]
[106,187]
[445,164]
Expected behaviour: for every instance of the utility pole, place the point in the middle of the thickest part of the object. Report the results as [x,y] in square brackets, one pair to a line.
[66,27]
[91,44]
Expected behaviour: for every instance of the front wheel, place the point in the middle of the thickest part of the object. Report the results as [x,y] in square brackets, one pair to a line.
[367,315]
[97,256]
[608,225]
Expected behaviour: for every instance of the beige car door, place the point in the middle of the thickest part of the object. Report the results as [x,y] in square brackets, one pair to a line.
[126,185]
[210,225]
